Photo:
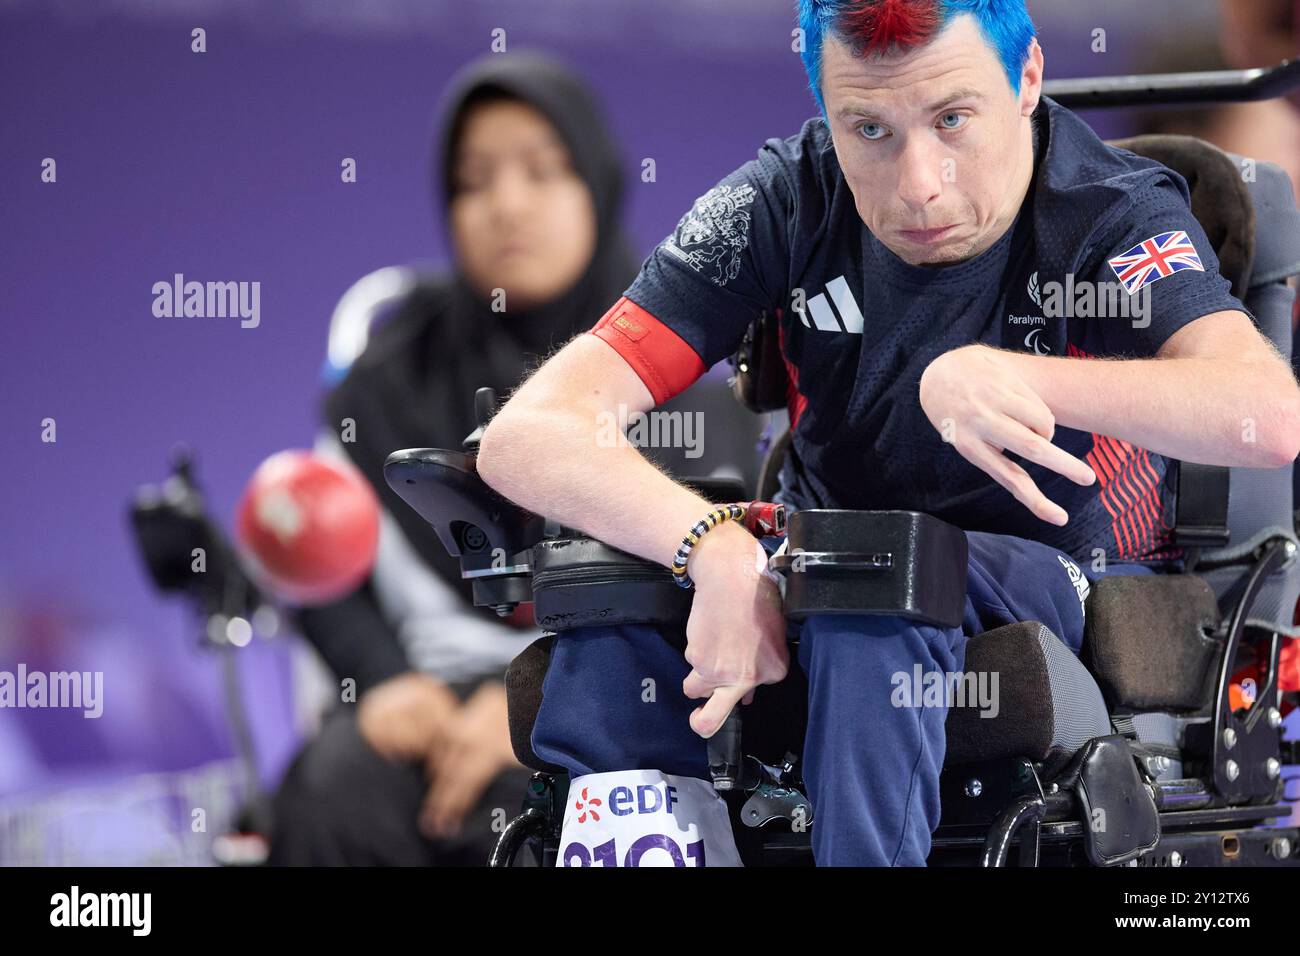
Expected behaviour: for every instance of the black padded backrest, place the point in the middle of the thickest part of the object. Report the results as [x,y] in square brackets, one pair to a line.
[1220,200]
[1261,501]
[1248,210]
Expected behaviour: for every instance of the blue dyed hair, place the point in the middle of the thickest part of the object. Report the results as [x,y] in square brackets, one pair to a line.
[868,26]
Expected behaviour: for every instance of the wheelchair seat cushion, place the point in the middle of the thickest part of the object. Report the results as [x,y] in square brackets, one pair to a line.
[523,682]
[1048,703]
[1148,640]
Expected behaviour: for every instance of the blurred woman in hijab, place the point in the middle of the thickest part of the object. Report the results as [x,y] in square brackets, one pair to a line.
[419,770]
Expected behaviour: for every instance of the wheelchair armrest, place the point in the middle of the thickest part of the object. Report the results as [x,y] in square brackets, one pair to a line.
[904,563]
[469,518]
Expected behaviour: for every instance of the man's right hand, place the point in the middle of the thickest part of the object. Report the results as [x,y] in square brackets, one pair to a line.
[401,717]
[735,637]
[736,632]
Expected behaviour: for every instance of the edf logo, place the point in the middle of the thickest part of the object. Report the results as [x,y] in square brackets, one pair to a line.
[648,798]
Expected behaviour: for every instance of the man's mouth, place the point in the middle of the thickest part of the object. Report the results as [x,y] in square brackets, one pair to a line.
[925,236]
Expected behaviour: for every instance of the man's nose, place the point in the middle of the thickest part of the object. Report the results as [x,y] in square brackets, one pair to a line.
[920,174]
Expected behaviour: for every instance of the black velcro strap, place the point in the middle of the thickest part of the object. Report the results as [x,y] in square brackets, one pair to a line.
[1201,518]
[1123,724]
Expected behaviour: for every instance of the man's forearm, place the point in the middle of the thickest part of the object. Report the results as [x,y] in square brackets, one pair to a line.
[1205,410]
[550,462]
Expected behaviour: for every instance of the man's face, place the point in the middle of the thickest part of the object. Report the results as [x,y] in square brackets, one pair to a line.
[933,143]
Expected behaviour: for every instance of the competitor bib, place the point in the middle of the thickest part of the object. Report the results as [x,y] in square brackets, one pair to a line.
[645,818]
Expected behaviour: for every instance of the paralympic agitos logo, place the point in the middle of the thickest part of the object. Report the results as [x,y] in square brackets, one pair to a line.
[1085,299]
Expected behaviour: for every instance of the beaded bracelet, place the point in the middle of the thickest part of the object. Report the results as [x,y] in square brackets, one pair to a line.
[710,520]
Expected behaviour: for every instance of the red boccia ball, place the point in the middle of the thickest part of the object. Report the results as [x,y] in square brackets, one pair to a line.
[308,527]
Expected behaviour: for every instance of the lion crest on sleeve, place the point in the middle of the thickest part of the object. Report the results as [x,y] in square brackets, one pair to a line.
[711,237]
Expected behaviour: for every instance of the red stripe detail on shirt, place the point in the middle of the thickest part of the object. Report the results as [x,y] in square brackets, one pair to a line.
[662,359]
[1139,513]
[795,400]
[1161,530]
[1148,496]
[1129,491]
[1111,496]
[1152,480]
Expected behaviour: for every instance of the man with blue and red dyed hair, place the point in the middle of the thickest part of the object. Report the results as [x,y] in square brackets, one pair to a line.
[913,240]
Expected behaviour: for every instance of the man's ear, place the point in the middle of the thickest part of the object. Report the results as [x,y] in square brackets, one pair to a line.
[1031,79]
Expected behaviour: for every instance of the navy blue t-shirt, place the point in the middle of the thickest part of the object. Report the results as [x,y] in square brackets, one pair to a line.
[859,325]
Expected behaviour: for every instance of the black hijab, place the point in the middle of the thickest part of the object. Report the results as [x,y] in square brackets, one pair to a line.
[413,387]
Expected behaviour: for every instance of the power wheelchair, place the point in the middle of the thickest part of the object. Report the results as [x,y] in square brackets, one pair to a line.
[1148,729]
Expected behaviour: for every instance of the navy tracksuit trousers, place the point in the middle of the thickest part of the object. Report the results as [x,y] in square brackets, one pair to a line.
[612,700]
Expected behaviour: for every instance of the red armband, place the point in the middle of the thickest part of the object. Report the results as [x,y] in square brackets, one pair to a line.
[662,359]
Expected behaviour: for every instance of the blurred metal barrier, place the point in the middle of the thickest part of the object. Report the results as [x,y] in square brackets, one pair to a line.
[156,819]
[1165,89]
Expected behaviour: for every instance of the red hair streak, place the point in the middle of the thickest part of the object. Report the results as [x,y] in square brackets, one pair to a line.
[877,26]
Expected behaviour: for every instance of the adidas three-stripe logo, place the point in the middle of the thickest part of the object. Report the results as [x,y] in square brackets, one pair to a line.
[837,294]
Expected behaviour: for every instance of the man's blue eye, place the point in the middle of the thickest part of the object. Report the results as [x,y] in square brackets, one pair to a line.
[960,117]
[872,131]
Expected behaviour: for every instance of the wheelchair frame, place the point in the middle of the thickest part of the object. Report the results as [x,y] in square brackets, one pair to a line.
[1042,808]
[1217,817]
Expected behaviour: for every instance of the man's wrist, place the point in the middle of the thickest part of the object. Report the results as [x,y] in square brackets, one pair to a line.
[1033,370]
[727,550]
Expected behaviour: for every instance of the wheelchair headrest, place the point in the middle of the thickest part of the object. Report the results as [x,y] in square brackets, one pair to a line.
[1220,200]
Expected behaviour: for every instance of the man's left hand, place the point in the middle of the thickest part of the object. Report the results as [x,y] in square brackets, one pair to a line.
[982,407]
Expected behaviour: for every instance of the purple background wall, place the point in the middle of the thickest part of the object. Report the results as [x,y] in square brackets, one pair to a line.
[225,166]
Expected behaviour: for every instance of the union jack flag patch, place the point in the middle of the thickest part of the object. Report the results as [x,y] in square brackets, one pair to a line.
[1155,258]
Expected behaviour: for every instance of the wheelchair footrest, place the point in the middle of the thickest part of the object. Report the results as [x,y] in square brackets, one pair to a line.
[1120,819]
